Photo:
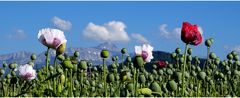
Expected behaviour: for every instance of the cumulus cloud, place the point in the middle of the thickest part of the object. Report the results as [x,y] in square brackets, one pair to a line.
[61,24]
[111,31]
[232,48]
[139,38]
[18,34]
[174,33]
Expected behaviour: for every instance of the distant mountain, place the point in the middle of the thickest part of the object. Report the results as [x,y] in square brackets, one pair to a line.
[91,54]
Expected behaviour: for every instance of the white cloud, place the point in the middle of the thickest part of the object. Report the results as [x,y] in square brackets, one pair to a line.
[232,48]
[17,34]
[139,38]
[111,31]
[173,34]
[61,24]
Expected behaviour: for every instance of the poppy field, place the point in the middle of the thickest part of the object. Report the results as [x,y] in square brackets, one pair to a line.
[126,76]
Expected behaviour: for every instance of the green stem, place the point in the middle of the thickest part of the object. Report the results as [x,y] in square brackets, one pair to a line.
[54,80]
[183,71]
[206,63]
[71,89]
[47,62]
[134,82]
[104,76]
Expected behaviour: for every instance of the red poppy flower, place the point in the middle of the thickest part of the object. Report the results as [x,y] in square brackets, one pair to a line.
[191,34]
[161,64]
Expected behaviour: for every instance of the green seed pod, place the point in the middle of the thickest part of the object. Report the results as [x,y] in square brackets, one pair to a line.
[93,83]
[193,67]
[198,69]
[51,68]
[187,75]
[60,57]
[177,76]
[212,40]
[236,57]
[169,71]
[174,55]
[208,43]
[110,78]
[230,62]
[59,70]
[76,82]
[4,64]
[124,50]
[201,75]
[138,61]
[13,73]
[104,53]
[2,72]
[86,82]
[61,48]
[217,62]
[154,72]
[154,86]
[130,87]
[160,72]
[230,56]
[8,76]
[171,86]
[178,50]
[221,75]
[191,86]
[222,63]
[113,66]
[189,58]
[129,59]
[150,77]
[154,66]
[33,57]
[144,91]
[237,63]
[227,68]
[117,77]
[67,64]
[13,65]
[181,60]
[189,51]
[142,79]
[212,55]
[193,73]
[235,72]
[76,54]
[83,65]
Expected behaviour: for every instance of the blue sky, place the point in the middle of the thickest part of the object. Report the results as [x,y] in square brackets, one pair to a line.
[157,23]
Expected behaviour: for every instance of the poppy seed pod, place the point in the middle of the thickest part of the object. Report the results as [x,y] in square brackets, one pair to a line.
[154,86]
[208,43]
[181,60]
[201,75]
[150,77]
[76,54]
[4,64]
[129,59]
[171,86]
[138,61]
[33,57]
[189,58]
[12,65]
[59,70]
[160,72]
[169,71]
[236,57]
[178,50]
[61,48]
[62,79]
[104,53]
[154,66]
[83,65]
[177,76]
[189,51]
[113,66]
[124,50]
[2,72]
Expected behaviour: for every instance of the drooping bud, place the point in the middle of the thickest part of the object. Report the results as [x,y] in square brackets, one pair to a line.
[61,48]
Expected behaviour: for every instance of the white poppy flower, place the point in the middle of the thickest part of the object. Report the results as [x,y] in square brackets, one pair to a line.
[145,51]
[26,72]
[51,38]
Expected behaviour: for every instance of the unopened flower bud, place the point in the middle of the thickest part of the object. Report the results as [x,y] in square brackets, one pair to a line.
[61,48]
[208,43]
[110,78]
[83,65]
[62,79]
[212,55]
[171,85]
[201,75]
[142,79]
[230,56]
[155,87]
[138,61]
[173,55]
[76,54]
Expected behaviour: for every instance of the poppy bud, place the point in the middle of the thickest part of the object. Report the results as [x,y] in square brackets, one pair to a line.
[2,72]
[150,77]
[51,68]
[187,75]
[4,64]
[217,61]
[83,65]
[155,87]
[110,78]
[33,57]
[93,83]
[198,69]
[236,58]
[169,71]
[59,70]
[13,73]
[138,61]
[193,73]
[177,76]
[144,91]
[181,60]
[129,59]
[60,57]
[221,75]
[230,56]
[154,66]
[201,75]
[171,86]
[178,50]
[76,54]
[76,82]
[154,72]
[237,63]
[208,43]
[173,55]
[67,64]
[189,51]
[61,48]
[160,72]
[104,53]
[189,58]
[142,79]
[124,50]
[13,65]
[130,87]
[212,55]
[193,67]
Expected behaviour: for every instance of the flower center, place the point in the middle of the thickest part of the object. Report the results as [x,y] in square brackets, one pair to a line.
[144,55]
